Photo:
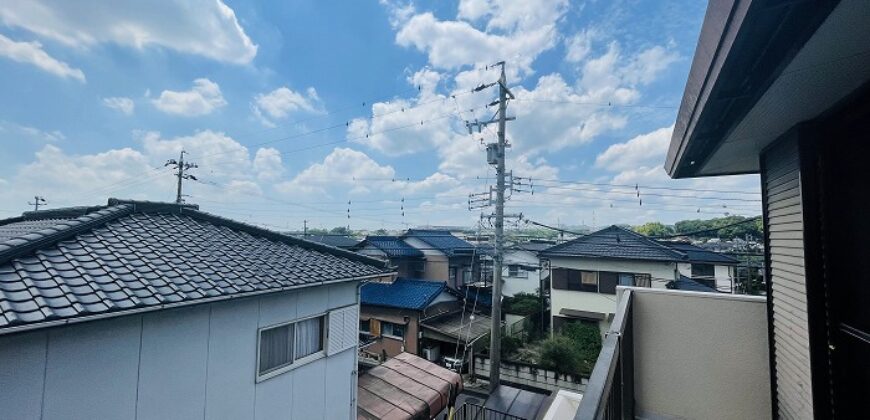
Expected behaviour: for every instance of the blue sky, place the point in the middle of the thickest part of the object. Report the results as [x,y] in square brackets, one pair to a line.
[292,109]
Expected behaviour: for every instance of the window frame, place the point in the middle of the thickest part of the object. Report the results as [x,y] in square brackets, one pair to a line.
[395,337]
[297,362]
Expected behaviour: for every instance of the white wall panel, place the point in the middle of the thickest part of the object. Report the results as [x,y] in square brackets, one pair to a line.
[232,359]
[22,364]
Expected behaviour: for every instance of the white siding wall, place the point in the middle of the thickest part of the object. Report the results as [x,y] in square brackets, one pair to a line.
[197,362]
[514,285]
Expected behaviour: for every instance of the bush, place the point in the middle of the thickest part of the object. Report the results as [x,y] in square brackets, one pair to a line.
[560,354]
[509,346]
[587,341]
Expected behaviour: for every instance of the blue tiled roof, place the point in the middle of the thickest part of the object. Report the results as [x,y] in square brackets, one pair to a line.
[686,283]
[402,293]
[393,246]
[615,242]
[442,240]
[700,255]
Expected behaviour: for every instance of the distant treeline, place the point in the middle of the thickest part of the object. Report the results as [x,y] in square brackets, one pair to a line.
[711,228]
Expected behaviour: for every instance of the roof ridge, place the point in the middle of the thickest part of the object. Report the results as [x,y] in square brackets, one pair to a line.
[64,229]
[651,240]
[287,239]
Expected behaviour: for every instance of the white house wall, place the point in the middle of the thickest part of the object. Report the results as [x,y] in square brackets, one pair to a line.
[514,285]
[661,272]
[437,263]
[722,273]
[196,362]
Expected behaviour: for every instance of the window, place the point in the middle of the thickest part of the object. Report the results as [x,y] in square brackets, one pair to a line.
[643,280]
[451,274]
[703,271]
[365,326]
[607,282]
[515,270]
[626,279]
[282,346]
[565,279]
[393,330]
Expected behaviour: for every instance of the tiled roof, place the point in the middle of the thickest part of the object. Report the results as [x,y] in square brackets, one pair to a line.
[615,242]
[393,246]
[338,241]
[402,293]
[533,246]
[442,240]
[686,283]
[139,255]
[700,255]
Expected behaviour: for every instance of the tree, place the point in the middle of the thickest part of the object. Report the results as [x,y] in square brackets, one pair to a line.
[654,229]
[522,303]
[587,339]
[340,230]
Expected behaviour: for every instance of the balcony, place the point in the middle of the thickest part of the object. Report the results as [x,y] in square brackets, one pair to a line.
[679,354]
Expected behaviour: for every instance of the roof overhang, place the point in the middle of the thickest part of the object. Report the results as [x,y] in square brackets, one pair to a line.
[761,67]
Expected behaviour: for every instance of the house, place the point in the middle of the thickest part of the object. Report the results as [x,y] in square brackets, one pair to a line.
[421,317]
[447,257]
[522,267]
[779,89]
[408,261]
[391,312]
[155,310]
[585,272]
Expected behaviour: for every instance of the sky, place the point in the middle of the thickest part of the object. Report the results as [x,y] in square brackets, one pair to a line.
[353,113]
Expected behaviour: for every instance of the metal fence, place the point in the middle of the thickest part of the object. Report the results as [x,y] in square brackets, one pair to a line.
[610,391]
[470,411]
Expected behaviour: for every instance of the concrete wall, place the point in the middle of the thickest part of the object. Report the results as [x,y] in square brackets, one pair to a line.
[194,362]
[700,355]
[514,285]
[603,303]
[531,376]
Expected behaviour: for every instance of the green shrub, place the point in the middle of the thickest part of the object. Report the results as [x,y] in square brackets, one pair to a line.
[510,345]
[587,341]
[560,354]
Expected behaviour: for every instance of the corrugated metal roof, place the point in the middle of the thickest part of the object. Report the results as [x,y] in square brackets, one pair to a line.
[132,255]
[406,387]
[402,293]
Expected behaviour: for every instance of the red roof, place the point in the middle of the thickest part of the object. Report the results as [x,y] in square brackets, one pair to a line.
[405,387]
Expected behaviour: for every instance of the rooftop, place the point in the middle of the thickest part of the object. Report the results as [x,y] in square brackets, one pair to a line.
[393,246]
[442,240]
[338,241]
[70,265]
[402,293]
[615,242]
[697,254]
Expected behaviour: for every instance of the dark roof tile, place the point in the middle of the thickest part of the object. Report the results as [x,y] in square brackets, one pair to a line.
[402,293]
[615,242]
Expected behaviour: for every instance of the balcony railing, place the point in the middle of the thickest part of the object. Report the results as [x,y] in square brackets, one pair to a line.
[469,411]
[610,392]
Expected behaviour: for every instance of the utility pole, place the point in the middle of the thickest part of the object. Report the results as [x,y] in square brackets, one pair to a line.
[182,167]
[496,156]
[305,228]
[38,200]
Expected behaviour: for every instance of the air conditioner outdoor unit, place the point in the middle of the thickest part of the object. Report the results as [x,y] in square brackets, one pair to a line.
[431,353]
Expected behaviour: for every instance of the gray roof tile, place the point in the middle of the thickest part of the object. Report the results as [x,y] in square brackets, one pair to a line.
[134,255]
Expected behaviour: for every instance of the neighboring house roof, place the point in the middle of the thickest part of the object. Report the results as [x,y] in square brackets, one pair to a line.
[393,246]
[442,240]
[475,296]
[533,246]
[73,264]
[697,254]
[402,293]
[686,283]
[615,242]
[338,241]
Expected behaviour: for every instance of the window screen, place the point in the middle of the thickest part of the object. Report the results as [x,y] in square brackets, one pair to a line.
[276,348]
[626,279]
[642,280]
[607,282]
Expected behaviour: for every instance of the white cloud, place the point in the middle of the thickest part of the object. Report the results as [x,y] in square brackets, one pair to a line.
[281,102]
[267,164]
[341,167]
[32,53]
[208,28]
[215,152]
[643,150]
[513,15]
[579,46]
[13,130]
[202,99]
[121,104]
